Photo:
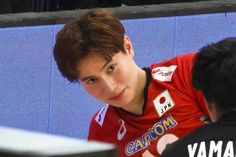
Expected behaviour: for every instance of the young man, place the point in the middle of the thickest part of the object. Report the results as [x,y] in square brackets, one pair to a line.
[214,73]
[146,108]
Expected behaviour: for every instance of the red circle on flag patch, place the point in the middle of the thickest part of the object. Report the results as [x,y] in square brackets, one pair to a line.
[162,100]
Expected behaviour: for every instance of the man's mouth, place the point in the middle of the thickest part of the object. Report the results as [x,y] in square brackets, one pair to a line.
[118,96]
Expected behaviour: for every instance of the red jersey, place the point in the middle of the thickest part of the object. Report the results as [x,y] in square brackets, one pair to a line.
[172,109]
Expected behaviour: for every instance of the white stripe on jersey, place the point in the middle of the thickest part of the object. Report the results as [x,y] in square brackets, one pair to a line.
[101,115]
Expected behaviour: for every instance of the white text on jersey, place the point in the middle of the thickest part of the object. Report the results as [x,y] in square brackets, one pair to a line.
[218,148]
[163,73]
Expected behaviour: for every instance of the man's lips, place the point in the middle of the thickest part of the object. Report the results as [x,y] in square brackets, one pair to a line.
[118,96]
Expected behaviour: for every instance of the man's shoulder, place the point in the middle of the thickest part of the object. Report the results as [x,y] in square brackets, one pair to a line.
[173,63]
[174,60]
[174,69]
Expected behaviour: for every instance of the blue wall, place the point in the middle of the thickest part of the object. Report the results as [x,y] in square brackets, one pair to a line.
[34,96]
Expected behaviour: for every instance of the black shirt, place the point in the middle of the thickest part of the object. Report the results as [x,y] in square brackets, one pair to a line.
[212,140]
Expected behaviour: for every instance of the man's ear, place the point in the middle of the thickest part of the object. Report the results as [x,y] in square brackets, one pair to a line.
[128,46]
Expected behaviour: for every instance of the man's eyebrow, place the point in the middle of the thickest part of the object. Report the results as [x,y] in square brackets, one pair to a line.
[105,64]
[89,77]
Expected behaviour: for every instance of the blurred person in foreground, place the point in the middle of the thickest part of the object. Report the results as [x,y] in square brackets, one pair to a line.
[214,73]
[146,108]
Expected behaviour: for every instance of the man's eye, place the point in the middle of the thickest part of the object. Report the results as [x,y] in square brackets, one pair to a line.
[91,81]
[111,68]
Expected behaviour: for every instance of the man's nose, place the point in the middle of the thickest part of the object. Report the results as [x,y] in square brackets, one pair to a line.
[109,83]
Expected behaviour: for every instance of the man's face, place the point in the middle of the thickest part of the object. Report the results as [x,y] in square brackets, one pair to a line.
[113,82]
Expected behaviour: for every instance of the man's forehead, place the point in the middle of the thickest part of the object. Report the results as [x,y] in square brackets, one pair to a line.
[91,64]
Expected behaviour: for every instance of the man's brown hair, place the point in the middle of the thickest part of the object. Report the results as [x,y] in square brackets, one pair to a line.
[98,31]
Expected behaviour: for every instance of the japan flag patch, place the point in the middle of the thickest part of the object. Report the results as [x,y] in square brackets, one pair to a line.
[163,103]
[163,73]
